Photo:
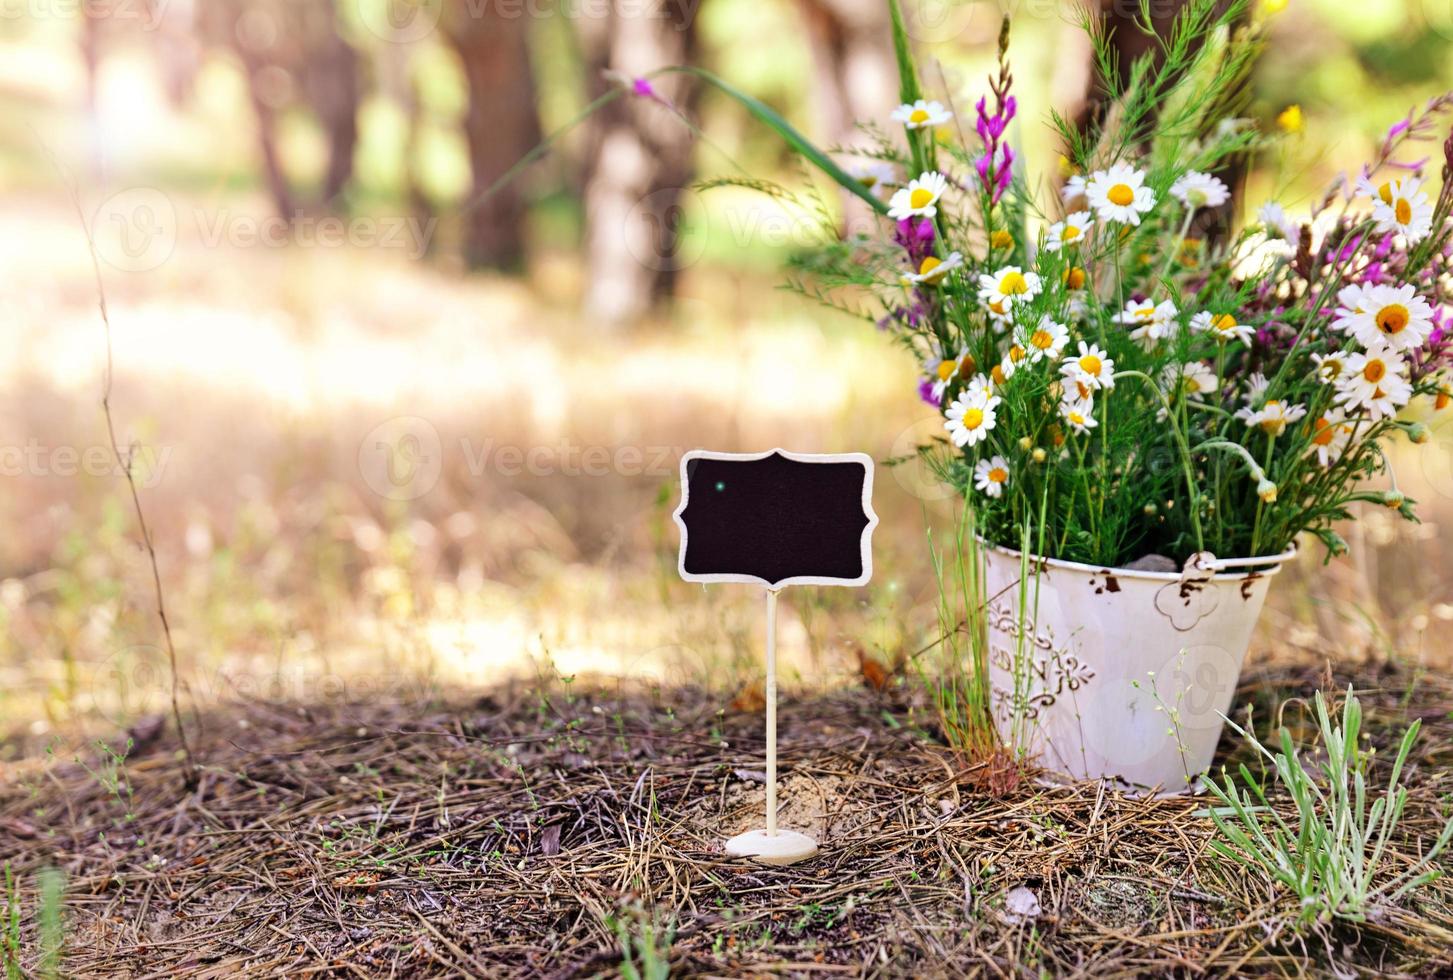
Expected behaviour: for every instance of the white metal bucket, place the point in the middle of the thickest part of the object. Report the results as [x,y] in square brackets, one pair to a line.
[1123,675]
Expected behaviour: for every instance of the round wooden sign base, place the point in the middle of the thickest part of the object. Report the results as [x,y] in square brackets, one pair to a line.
[783,847]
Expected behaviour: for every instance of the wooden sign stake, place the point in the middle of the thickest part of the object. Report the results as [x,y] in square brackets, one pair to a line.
[772,846]
[775,519]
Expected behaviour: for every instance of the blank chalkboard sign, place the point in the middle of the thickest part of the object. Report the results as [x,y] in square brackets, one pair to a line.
[776,518]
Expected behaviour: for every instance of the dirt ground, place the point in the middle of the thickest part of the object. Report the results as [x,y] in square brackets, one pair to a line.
[576,831]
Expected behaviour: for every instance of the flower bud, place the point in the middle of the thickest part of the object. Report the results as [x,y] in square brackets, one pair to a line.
[1418,433]
[1266,490]
[1393,500]
[1026,443]
[1151,510]
[1039,455]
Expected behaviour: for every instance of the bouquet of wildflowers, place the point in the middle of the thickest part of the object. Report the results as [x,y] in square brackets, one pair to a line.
[1120,374]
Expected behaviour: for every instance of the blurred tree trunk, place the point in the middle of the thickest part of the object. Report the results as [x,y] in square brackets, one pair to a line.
[854,75]
[853,72]
[501,126]
[332,87]
[292,54]
[640,161]
[398,81]
[179,49]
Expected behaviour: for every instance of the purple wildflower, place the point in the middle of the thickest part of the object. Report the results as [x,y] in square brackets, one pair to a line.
[916,237]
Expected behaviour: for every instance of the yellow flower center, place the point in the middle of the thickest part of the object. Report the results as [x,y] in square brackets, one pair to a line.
[1121,194]
[973,418]
[1076,418]
[1071,232]
[920,198]
[1013,284]
[929,264]
[946,369]
[918,117]
[997,373]
[1042,339]
[967,366]
[1325,432]
[1374,371]
[998,475]
[1016,354]
[1403,210]
[1224,322]
[1091,365]
[1075,277]
[1001,239]
[1385,192]
[1393,319]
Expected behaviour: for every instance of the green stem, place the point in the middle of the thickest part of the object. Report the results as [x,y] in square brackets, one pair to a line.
[784,129]
[1184,445]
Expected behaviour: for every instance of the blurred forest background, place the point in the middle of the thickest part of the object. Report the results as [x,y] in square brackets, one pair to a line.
[396,434]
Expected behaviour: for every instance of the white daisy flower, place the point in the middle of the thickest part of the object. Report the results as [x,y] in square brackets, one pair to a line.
[970,418]
[876,176]
[1375,382]
[1013,357]
[933,271]
[1047,340]
[1381,402]
[1222,326]
[1278,224]
[1273,417]
[1395,316]
[944,370]
[1400,206]
[990,476]
[1330,366]
[1070,231]
[980,385]
[1198,190]
[1152,321]
[1119,194]
[1078,414]
[1009,286]
[1256,386]
[1330,435]
[922,115]
[1193,379]
[1351,304]
[1136,312]
[1091,366]
[1077,388]
[920,198]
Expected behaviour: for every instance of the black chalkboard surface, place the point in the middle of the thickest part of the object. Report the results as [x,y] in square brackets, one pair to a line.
[776,518]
